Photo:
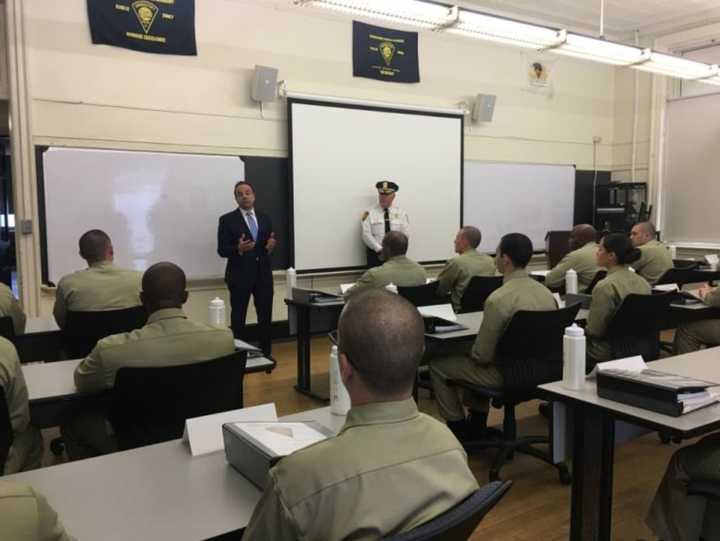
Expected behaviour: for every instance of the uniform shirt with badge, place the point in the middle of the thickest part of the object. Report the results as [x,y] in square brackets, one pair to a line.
[373,224]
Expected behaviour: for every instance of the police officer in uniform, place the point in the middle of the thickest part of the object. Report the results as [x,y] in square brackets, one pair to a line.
[26,515]
[9,306]
[398,269]
[518,292]
[102,286]
[655,258]
[381,219]
[342,487]
[27,446]
[168,338]
[615,254]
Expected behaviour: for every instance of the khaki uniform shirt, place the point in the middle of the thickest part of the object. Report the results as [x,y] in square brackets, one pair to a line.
[373,225]
[608,296]
[13,381]
[518,292]
[582,260]
[102,286]
[168,339]
[27,516]
[713,298]
[389,470]
[456,275]
[654,262]
[399,270]
[9,306]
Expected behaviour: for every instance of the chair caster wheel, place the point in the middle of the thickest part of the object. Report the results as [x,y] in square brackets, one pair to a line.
[57,447]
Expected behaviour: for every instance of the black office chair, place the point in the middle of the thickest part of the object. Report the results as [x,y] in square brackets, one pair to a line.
[82,330]
[424,295]
[529,353]
[458,523]
[150,405]
[599,275]
[477,291]
[6,430]
[7,328]
[686,264]
[635,327]
[679,276]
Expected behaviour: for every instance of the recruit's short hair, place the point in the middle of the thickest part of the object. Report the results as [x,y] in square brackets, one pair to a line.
[517,247]
[622,247]
[472,235]
[163,284]
[382,336]
[93,245]
[395,243]
[648,228]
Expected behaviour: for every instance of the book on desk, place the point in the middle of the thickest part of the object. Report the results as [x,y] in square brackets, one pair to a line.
[657,391]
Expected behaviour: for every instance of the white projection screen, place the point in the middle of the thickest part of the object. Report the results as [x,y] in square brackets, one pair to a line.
[339,152]
[505,198]
[155,207]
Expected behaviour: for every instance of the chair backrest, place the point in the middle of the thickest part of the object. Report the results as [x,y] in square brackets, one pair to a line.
[635,327]
[477,291]
[530,351]
[150,405]
[599,275]
[424,295]
[458,523]
[82,330]
[676,275]
[7,328]
[6,431]
[687,264]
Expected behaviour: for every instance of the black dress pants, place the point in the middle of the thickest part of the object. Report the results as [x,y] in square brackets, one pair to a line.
[262,293]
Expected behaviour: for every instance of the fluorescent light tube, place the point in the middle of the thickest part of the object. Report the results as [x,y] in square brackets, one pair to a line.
[409,12]
[599,50]
[506,31]
[675,66]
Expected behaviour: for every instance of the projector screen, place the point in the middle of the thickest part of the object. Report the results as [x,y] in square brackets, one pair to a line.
[531,199]
[155,207]
[339,152]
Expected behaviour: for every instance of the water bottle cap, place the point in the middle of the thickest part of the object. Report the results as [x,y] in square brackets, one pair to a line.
[333,349]
[574,330]
[571,271]
[217,301]
[290,269]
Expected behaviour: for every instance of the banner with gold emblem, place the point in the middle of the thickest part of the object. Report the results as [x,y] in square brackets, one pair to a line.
[151,26]
[385,54]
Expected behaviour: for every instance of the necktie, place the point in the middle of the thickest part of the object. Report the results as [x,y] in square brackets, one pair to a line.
[387,221]
[252,224]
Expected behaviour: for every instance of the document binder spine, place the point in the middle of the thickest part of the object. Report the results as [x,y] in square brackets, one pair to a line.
[672,408]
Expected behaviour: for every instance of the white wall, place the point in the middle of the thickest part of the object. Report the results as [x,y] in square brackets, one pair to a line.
[98,96]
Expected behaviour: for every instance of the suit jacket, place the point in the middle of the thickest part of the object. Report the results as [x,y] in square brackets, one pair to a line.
[243,270]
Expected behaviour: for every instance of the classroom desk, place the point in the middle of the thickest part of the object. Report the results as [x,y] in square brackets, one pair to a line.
[594,437]
[41,341]
[157,492]
[52,393]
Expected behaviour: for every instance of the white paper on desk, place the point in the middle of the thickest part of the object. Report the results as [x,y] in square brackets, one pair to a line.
[204,434]
[542,273]
[712,259]
[634,364]
[244,346]
[430,280]
[443,311]
[345,287]
[666,287]
[282,438]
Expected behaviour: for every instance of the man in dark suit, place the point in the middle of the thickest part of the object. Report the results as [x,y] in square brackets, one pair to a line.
[246,239]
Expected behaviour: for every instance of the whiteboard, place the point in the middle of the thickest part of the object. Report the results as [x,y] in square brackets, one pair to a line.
[155,207]
[532,199]
[339,153]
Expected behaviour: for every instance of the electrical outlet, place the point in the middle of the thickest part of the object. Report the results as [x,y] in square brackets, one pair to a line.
[26,227]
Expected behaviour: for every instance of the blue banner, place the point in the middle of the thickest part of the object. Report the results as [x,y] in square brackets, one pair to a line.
[385,54]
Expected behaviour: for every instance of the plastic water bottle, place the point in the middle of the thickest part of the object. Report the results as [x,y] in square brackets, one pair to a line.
[339,397]
[673,251]
[290,282]
[571,284]
[574,357]
[216,312]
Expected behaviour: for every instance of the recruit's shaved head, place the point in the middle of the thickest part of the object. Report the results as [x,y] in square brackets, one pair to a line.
[163,286]
[382,335]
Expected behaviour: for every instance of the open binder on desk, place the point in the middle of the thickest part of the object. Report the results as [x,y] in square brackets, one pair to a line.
[657,391]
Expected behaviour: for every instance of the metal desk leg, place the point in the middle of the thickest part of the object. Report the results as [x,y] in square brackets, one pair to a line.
[591,500]
[304,379]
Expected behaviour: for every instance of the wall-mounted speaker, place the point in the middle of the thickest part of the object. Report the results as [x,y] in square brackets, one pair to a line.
[483,108]
[264,84]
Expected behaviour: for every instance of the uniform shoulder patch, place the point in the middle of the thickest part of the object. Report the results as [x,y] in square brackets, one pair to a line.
[365,215]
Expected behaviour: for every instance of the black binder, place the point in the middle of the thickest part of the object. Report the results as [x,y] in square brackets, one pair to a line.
[648,389]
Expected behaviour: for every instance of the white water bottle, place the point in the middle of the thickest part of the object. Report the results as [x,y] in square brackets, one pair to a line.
[339,397]
[216,312]
[290,282]
[574,357]
[571,284]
